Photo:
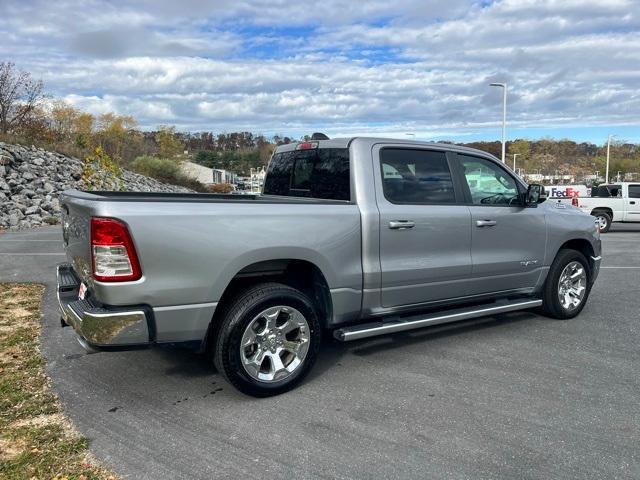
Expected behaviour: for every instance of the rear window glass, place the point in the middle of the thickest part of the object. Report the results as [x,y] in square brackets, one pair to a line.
[316,173]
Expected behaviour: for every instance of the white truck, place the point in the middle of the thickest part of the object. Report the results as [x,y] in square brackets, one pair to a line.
[614,202]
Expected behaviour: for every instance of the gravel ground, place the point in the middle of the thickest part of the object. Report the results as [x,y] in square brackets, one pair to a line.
[515,396]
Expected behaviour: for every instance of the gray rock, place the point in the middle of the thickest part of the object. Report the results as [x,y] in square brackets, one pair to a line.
[32,178]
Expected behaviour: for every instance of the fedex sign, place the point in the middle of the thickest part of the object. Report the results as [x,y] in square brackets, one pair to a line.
[566,191]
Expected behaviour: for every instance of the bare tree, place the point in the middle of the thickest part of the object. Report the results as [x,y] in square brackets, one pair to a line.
[20,96]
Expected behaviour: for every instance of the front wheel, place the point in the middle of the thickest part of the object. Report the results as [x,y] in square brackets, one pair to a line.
[567,286]
[268,339]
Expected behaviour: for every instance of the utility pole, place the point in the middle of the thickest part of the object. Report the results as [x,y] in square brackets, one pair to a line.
[504,116]
[606,175]
[514,161]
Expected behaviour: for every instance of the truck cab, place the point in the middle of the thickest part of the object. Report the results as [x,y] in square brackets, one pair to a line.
[613,202]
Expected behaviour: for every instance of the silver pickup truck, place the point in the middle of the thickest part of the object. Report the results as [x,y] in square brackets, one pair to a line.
[357,237]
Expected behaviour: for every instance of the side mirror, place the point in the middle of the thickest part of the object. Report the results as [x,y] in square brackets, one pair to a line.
[535,194]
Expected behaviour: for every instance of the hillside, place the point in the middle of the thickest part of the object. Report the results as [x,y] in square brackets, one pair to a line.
[31,179]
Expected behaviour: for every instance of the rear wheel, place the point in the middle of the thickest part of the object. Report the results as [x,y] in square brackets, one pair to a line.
[603,219]
[268,339]
[567,286]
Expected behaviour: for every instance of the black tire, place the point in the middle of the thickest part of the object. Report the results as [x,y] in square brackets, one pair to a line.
[551,305]
[239,314]
[604,219]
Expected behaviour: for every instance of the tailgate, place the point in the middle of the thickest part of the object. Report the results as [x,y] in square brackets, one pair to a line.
[77,210]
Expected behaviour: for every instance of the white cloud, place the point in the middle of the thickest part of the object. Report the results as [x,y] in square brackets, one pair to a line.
[192,63]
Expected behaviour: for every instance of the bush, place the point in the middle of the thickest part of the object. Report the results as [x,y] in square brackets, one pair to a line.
[159,168]
[221,188]
[165,171]
[99,172]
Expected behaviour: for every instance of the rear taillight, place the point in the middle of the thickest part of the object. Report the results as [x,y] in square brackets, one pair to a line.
[113,255]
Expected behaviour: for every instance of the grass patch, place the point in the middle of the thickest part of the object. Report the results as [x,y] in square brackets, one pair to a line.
[36,441]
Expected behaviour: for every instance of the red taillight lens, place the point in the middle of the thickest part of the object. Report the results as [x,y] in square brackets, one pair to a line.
[113,254]
[307,145]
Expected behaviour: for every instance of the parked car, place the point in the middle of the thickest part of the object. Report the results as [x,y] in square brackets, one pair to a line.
[358,237]
[615,202]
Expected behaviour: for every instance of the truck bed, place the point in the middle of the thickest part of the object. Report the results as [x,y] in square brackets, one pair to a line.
[108,196]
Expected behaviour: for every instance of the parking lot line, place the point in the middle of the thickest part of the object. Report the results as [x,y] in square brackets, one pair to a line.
[20,241]
[619,267]
[29,254]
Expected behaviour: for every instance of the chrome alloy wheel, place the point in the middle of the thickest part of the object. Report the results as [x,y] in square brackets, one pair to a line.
[572,286]
[602,221]
[275,343]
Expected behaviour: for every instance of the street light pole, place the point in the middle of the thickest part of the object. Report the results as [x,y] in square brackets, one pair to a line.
[514,161]
[504,116]
[606,175]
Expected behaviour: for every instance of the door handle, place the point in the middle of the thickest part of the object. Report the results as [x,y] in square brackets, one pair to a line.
[401,224]
[632,203]
[486,223]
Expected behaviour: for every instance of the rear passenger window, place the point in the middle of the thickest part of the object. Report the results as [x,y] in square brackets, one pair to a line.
[634,191]
[411,176]
[316,173]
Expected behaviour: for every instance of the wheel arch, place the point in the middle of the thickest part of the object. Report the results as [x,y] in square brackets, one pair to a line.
[581,245]
[607,210]
[301,274]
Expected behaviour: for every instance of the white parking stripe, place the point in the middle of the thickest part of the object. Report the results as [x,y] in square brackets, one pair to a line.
[54,240]
[618,267]
[29,254]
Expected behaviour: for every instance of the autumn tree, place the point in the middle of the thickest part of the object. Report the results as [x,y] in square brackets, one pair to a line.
[63,118]
[20,97]
[83,129]
[114,132]
[169,146]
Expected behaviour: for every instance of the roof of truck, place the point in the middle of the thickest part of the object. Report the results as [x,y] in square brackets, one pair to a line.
[346,142]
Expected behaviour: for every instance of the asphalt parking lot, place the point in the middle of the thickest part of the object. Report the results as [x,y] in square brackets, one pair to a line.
[513,396]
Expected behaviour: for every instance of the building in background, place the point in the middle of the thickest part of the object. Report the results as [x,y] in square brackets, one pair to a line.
[206,175]
[224,176]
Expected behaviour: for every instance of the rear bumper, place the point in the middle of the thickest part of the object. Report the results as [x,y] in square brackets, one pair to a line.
[101,327]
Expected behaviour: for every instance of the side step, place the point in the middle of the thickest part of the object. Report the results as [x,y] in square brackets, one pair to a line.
[418,321]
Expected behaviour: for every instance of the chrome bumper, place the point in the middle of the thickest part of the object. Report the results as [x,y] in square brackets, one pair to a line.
[595,262]
[100,326]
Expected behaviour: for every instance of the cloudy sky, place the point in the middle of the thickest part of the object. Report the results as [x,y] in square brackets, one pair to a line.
[351,67]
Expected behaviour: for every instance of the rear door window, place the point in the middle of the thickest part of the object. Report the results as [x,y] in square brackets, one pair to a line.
[412,176]
[634,191]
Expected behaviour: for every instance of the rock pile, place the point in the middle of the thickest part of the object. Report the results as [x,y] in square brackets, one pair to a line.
[31,179]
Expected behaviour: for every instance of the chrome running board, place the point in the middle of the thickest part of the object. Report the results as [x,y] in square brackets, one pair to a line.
[418,321]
